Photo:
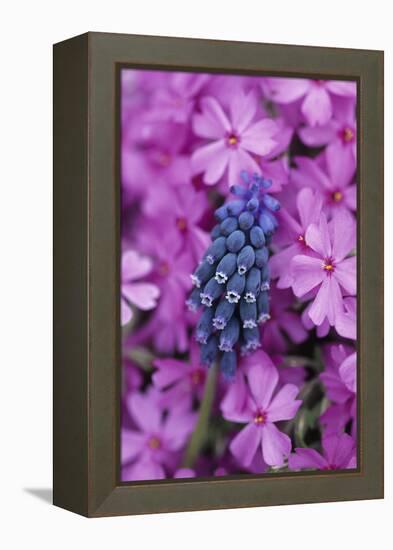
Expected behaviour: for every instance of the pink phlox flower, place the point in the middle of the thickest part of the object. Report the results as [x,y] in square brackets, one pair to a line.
[331,270]
[235,138]
[332,176]
[154,445]
[316,97]
[180,381]
[338,453]
[263,409]
[175,99]
[142,295]
[339,134]
[292,237]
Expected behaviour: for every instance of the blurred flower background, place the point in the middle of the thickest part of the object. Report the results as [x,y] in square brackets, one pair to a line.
[286,399]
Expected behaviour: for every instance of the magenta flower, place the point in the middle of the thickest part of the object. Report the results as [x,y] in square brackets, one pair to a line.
[262,411]
[309,206]
[235,138]
[175,100]
[153,446]
[316,96]
[180,381]
[334,180]
[338,453]
[142,295]
[339,134]
[331,270]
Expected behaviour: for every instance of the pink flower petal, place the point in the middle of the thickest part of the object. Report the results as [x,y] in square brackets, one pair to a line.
[213,122]
[240,160]
[338,449]
[307,272]
[212,159]
[169,371]
[142,295]
[327,303]
[317,106]
[344,234]
[348,372]
[345,273]
[307,459]
[263,379]
[258,138]
[145,412]
[342,87]
[245,444]
[283,405]
[341,169]
[318,238]
[125,312]
[309,205]
[309,174]
[242,110]
[292,325]
[134,265]
[276,445]
[316,136]
[132,444]
[287,90]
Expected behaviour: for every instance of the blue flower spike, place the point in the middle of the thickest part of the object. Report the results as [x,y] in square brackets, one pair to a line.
[232,282]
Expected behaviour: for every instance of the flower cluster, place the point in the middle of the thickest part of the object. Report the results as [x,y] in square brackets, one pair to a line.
[238,202]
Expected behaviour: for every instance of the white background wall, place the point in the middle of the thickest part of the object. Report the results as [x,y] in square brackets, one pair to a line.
[28,28]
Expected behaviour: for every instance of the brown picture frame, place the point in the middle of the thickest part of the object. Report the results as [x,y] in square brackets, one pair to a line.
[86,275]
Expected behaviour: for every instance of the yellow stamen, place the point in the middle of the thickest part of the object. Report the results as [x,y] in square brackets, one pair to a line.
[259,419]
[232,139]
[181,224]
[154,443]
[348,134]
[337,196]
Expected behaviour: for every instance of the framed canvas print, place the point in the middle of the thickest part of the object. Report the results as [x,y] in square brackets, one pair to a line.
[218,274]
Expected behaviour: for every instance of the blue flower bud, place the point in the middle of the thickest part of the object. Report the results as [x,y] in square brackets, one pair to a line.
[246,220]
[221,213]
[271,203]
[211,292]
[216,250]
[215,232]
[235,207]
[194,301]
[245,259]
[253,285]
[263,307]
[257,237]
[230,335]
[248,314]
[228,226]
[251,339]
[209,351]
[235,288]
[238,190]
[228,365]
[204,327]
[223,314]
[202,274]
[261,257]
[236,241]
[253,205]
[266,183]
[266,223]
[265,278]
[226,268]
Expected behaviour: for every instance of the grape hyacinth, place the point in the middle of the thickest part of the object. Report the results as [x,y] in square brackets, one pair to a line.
[232,281]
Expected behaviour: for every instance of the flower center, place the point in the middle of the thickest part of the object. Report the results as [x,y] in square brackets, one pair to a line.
[181,224]
[347,135]
[163,268]
[154,443]
[163,159]
[260,418]
[337,196]
[328,265]
[232,140]
[196,377]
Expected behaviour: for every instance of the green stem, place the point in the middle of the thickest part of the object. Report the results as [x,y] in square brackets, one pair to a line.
[199,435]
